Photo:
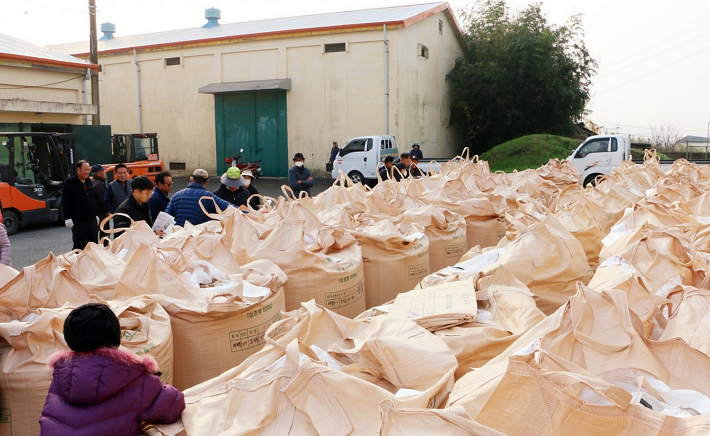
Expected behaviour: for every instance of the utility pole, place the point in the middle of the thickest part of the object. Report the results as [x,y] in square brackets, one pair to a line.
[94,58]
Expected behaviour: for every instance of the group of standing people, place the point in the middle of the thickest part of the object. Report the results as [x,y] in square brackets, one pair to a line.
[87,202]
[406,168]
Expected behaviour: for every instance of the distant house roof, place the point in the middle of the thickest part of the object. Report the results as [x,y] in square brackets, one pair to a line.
[396,16]
[13,49]
[691,138]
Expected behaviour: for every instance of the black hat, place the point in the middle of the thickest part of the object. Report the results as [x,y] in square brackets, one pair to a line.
[96,168]
[298,156]
[92,326]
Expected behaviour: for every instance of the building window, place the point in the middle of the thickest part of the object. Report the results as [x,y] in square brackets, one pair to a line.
[169,62]
[422,51]
[334,47]
[177,166]
[441,27]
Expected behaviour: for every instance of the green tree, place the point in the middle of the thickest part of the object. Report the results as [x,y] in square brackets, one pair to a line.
[518,75]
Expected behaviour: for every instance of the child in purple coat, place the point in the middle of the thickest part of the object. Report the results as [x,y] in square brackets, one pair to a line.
[98,389]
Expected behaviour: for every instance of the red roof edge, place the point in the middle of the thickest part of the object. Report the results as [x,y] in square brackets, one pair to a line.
[44,61]
[404,23]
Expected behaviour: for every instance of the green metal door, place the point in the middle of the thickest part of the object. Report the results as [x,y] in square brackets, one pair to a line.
[256,123]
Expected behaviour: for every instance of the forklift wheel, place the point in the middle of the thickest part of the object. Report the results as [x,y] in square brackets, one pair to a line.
[12,222]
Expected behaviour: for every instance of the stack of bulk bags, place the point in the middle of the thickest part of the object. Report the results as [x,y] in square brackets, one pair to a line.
[395,257]
[561,174]
[445,230]
[322,262]
[214,328]
[611,201]
[664,256]
[596,336]
[352,197]
[485,222]
[576,213]
[34,307]
[544,256]
[322,374]
[198,243]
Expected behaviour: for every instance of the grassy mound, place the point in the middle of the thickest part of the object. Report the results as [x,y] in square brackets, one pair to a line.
[529,151]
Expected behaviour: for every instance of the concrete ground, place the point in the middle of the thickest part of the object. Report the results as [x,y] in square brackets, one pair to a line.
[32,244]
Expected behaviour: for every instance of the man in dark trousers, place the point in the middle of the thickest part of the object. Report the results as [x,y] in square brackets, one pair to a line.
[119,190]
[99,183]
[334,151]
[299,177]
[80,207]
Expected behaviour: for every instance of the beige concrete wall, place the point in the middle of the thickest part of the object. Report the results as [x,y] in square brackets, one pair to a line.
[334,96]
[421,94]
[21,83]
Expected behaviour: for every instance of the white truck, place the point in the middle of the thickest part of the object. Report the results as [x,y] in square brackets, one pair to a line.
[600,154]
[361,157]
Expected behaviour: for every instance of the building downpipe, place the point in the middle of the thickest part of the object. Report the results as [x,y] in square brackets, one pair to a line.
[387,81]
[138,89]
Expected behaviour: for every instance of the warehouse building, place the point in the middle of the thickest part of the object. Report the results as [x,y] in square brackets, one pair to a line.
[280,86]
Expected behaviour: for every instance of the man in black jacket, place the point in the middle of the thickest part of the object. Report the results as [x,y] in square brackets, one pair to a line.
[136,205]
[232,188]
[79,207]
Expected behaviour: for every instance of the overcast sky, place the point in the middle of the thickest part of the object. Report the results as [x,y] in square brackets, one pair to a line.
[654,55]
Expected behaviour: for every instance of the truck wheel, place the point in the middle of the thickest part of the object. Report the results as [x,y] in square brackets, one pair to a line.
[356,177]
[590,179]
[12,222]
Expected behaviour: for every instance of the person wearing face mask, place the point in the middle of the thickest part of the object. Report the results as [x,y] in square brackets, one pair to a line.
[119,190]
[299,177]
[232,188]
[248,176]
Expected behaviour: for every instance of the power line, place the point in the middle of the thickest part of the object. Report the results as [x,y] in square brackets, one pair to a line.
[665,40]
[651,57]
[651,72]
[646,128]
[46,84]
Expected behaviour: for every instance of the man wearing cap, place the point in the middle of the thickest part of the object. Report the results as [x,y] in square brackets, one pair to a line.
[416,151]
[299,177]
[334,151]
[185,204]
[248,177]
[99,182]
[232,188]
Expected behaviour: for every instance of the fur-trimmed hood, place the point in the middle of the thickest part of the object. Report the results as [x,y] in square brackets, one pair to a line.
[91,377]
[125,357]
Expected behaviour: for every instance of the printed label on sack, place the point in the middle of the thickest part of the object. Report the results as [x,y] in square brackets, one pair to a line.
[455,250]
[612,261]
[334,300]
[530,348]
[417,271]
[251,337]
[5,416]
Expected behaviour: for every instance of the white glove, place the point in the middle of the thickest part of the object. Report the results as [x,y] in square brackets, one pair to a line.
[69,223]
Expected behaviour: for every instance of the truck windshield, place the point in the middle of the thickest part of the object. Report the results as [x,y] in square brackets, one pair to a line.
[595,146]
[360,144]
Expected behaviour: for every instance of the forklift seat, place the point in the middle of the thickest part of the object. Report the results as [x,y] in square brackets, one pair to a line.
[5,171]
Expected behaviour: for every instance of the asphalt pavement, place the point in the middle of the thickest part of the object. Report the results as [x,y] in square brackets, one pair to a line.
[32,244]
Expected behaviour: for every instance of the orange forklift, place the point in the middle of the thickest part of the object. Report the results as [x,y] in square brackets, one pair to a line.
[139,151]
[33,167]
